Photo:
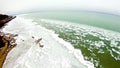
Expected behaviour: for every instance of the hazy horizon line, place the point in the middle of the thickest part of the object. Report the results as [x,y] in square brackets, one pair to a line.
[88,11]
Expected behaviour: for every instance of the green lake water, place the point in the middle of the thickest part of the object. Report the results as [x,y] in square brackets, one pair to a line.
[99,44]
[102,20]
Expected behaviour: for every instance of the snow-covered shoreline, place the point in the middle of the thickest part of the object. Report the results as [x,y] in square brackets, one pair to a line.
[29,55]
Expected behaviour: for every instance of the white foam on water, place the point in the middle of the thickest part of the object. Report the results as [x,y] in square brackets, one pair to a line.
[28,54]
[95,31]
[76,52]
[103,34]
[110,35]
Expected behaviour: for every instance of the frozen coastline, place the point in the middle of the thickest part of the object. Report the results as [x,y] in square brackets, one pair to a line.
[27,54]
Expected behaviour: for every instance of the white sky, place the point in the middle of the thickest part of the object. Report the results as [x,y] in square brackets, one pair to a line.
[10,6]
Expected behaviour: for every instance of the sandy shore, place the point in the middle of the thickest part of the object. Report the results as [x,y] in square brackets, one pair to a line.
[7,41]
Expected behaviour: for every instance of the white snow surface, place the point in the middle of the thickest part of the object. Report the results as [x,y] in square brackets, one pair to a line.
[56,52]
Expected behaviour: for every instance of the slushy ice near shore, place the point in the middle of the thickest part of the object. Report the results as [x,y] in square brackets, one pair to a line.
[98,39]
[98,45]
[56,53]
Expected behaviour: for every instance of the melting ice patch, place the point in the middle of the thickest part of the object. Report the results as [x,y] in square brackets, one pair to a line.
[28,54]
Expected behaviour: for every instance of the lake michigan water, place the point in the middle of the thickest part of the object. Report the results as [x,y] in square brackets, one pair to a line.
[97,35]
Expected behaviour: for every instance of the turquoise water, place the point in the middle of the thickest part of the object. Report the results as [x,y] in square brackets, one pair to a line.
[107,21]
[99,44]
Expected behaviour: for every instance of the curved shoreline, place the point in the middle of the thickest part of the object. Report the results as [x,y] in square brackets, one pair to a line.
[7,41]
